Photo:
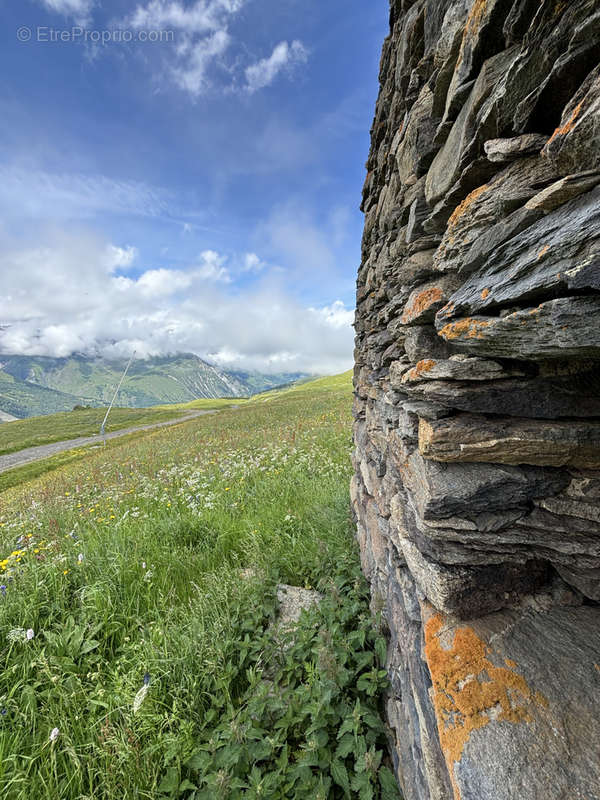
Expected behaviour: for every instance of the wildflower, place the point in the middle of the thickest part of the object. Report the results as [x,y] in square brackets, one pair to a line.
[3,590]
[140,697]
[16,635]
[147,679]
[80,558]
[54,734]
[30,634]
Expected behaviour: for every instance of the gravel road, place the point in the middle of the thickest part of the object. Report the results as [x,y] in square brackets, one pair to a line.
[13,460]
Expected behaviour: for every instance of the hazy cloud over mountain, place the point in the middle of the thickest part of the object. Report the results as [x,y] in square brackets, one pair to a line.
[76,294]
[197,194]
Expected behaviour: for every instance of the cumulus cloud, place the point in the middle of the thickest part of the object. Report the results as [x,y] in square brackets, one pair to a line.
[284,56]
[120,257]
[63,296]
[79,10]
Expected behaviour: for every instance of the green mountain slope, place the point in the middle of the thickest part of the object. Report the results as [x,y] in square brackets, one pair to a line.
[35,385]
[21,399]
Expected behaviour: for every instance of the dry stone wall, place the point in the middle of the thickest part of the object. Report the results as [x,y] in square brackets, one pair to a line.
[477,395]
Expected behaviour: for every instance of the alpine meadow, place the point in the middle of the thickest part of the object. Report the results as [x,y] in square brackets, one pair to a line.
[141,655]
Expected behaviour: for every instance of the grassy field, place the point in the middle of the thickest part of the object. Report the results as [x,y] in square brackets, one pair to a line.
[138,586]
[34,431]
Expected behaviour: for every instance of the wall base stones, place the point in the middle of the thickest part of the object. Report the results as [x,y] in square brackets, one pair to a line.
[477,396]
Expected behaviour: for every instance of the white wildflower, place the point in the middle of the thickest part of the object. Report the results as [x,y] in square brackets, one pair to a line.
[17,635]
[30,634]
[80,558]
[54,734]
[140,697]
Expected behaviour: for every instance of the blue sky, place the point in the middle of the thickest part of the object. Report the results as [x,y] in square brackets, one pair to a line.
[199,193]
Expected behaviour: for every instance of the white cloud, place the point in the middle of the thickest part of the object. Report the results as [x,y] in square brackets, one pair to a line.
[192,72]
[201,17]
[284,56]
[59,297]
[203,36]
[203,42]
[79,10]
[162,282]
[212,267]
[252,263]
[336,315]
[120,257]
[63,195]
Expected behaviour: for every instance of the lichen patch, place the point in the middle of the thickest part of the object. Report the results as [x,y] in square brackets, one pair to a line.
[563,130]
[426,365]
[469,200]
[464,329]
[470,691]
[421,303]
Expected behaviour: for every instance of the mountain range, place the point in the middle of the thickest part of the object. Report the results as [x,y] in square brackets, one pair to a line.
[36,385]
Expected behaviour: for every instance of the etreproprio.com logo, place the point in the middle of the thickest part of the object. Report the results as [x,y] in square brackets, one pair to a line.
[77,35]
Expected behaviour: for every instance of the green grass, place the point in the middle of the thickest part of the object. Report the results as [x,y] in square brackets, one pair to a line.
[206,403]
[34,431]
[157,558]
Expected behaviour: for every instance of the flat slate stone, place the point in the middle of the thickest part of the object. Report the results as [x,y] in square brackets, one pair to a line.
[533,262]
[540,398]
[569,326]
[474,438]
[502,151]
[461,368]
[441,490]
[516,695]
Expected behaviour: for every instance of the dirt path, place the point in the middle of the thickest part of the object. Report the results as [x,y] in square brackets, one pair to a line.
[13,460]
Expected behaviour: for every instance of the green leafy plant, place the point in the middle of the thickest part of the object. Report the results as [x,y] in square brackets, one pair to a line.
[307,724]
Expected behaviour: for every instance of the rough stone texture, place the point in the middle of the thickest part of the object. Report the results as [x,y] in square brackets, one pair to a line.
[477,395]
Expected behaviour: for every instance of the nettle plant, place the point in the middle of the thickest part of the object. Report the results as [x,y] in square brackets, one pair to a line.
[306,720]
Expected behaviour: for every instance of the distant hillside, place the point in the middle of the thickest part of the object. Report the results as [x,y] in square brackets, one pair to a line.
[21,399]
[34,385]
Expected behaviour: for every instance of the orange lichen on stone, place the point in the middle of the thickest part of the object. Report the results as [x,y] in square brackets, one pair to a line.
[562,130]
[464,329]
[469,690]
[446,310]
[471,26]
[415,373]
[485,294]
[475,16]
[543,251]
[469,199]
[421,303]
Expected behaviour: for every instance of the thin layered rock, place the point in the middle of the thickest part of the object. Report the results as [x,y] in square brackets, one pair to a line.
[477,395]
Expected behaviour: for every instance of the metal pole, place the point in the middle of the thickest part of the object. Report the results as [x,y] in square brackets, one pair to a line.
[115,397]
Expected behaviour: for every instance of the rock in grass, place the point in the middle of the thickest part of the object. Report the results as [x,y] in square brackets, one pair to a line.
[293,600]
